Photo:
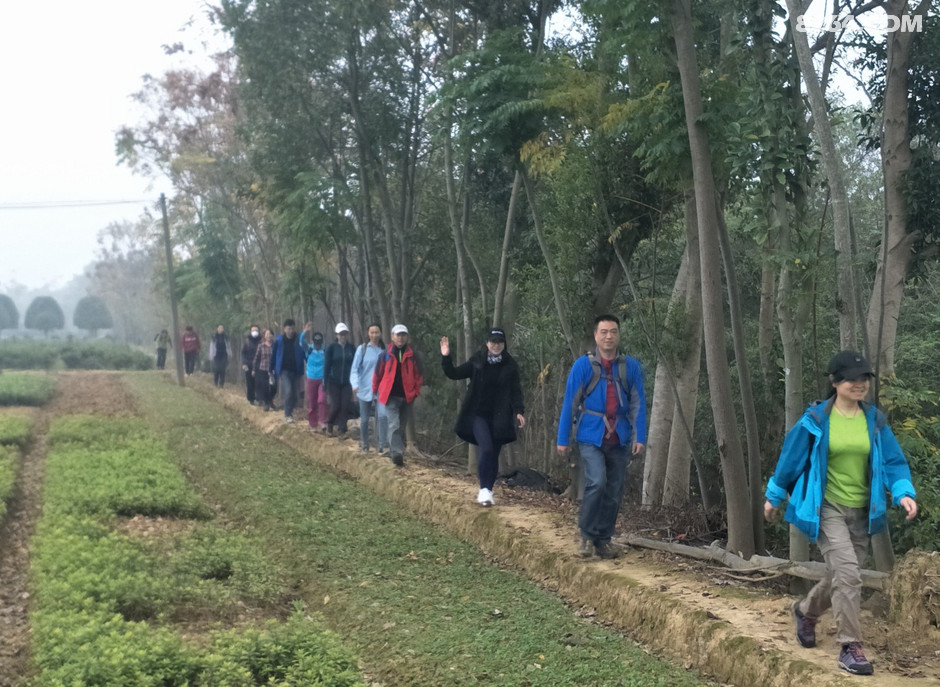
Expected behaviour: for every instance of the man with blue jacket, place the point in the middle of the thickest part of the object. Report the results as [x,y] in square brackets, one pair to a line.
[606,406]
[289,367]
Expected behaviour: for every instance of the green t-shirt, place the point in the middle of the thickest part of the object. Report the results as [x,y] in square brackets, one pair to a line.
[847,480]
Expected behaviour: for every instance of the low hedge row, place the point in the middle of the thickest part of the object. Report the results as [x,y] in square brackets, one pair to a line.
[72,354]
[14,433]
[26,389]
[14,430]
[111,594]
[9,466]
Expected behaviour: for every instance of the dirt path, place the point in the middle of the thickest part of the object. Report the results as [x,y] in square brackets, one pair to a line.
[87,392]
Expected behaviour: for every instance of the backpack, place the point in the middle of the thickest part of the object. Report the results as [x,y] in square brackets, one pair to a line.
[597,371]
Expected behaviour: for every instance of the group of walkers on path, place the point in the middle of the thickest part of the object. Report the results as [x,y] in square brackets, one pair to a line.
[340,381]
[835,467]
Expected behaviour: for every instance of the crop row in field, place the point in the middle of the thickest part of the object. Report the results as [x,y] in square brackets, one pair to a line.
[14,433]
[26,389]
[129,569]
[72,355]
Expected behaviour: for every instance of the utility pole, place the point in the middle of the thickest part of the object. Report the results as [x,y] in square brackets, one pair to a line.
[177,352]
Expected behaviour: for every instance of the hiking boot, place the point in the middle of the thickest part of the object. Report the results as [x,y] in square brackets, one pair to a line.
[485,497]
[852,659]
[606,550]
[398,459]
[805,627]
[586,550]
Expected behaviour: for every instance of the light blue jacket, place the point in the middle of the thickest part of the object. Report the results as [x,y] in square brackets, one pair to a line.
[631,405]
[363,367]
[804,461]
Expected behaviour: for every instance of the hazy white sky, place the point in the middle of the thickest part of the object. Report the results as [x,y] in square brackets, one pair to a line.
[67,70]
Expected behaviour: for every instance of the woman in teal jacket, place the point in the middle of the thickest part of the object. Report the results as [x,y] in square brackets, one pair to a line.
[835,465]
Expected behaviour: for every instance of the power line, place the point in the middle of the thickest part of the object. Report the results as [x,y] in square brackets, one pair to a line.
[56,204]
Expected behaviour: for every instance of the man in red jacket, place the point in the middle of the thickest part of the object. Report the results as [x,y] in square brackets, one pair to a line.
[397,383]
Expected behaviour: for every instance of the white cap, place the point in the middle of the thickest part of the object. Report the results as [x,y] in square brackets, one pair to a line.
[399,329]
[341,327]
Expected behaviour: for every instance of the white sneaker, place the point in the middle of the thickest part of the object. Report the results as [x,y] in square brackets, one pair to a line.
[485,497]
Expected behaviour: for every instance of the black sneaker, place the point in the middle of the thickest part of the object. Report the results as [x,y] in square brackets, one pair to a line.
[805,627]
[852,659]
[398,459]
[606,550]
[586,550]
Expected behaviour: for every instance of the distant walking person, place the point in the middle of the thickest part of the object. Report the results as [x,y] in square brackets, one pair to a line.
[249,348]
[604,396]
[316,404]
[189,342]
[337,362]
[492,406]
[163,343]
[263,371]
[836,463]
[360,379]
[397,383]
[289,367]
[220,350]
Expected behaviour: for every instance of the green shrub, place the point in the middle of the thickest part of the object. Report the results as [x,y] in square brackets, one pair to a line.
[98,432]
[210,565]
[292,654]
[104,600]
[14,430]
[9,466]
[915,419]
[26,389]
[136,479]
[75,354]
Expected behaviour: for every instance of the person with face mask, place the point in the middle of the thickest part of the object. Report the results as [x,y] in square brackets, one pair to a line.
[249,348]
[316,404]
[492,408]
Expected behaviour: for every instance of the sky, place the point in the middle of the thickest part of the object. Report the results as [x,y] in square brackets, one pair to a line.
[67,71]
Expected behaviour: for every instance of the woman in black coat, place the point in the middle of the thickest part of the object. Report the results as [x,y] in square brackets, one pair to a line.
[491,407]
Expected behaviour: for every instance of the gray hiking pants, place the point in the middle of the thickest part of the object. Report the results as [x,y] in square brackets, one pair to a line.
[843,542]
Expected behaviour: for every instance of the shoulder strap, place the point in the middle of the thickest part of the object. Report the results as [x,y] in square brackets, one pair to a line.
[597,371]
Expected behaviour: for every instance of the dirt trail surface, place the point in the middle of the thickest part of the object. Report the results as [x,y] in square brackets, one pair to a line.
[85,392]
[693,613]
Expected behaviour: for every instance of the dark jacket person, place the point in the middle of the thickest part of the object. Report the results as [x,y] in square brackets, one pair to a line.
[491,407]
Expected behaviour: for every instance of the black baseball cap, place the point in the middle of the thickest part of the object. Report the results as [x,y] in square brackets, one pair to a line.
[849,365]
[496,336]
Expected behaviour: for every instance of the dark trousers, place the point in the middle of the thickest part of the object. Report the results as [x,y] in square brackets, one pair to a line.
[161,358]
[339,395]
[290,390]
[487,452]
[190,359]
[249,386]
[219,366]
[264,390]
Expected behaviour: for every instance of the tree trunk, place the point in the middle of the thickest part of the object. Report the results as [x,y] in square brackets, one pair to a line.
[888,290]
[662,408]
[751,430]
[550,267]
[740,526]
[845,279]
[504,255]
